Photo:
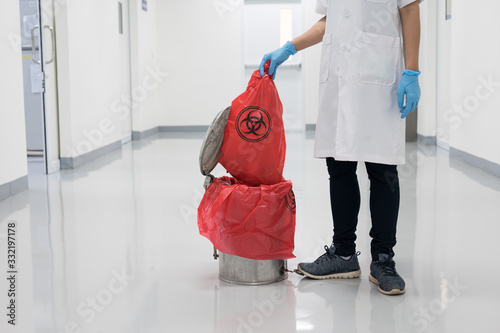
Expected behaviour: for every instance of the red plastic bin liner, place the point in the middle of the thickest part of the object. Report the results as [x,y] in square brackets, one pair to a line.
[254,145]
[250,222]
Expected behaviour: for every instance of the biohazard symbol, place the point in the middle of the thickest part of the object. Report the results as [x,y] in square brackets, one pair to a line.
[290,201]
[253,124]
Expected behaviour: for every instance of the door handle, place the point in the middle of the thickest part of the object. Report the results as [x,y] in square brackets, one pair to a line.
[53,44]
[33,48]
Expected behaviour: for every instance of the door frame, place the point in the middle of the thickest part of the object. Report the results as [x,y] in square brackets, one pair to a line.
[49,96]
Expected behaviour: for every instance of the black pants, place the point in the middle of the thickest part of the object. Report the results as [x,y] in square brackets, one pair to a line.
[345,200]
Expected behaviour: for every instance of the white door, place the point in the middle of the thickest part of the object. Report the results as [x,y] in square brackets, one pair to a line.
[125,73]
[443,82]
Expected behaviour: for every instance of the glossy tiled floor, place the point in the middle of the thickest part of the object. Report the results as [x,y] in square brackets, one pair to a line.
[113,247]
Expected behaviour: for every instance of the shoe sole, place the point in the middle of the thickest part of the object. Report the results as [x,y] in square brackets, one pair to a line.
[393,292]
[348,275]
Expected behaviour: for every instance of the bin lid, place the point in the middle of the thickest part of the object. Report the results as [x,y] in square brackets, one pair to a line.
[211,149]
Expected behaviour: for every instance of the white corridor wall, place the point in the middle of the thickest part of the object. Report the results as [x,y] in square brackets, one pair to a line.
[461,80]
[12,127]
[475,79]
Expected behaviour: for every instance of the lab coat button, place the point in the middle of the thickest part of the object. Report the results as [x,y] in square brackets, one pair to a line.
[347,13]
[342,81]
[343,47]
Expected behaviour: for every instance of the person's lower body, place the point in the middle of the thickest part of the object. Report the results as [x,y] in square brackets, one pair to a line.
[345,204]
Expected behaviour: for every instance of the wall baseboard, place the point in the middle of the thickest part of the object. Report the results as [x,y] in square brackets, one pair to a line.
[139,135]
[427,140]
[74,162]
[311,127]
[443,144]
[478,162]
[127,139]
[188,129]
[14,187]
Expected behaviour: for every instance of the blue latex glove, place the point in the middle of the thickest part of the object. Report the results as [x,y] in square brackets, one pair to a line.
[277,57]
[409,86]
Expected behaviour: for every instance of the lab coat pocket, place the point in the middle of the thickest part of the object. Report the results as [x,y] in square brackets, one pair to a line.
[378,60]
[326,55]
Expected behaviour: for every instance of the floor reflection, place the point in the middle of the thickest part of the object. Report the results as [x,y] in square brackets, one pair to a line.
[269,308]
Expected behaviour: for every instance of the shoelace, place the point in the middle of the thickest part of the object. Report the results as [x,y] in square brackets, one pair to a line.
[325,255]
[388,267]
[329,254]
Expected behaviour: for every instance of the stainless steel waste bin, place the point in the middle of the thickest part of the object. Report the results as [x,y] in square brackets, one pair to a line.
[234,269]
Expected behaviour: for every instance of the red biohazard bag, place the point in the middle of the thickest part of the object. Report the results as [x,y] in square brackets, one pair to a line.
[254,145]
[250,222]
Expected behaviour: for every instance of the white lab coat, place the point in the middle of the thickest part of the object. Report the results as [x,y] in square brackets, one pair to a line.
[361,66]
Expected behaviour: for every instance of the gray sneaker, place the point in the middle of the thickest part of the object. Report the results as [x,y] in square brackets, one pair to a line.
[383,274]
[331,266]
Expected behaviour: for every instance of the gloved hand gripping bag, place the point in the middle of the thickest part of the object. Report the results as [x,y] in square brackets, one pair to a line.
[254,145]
[250,222]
